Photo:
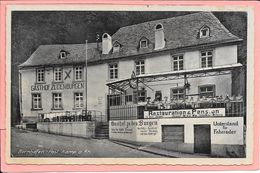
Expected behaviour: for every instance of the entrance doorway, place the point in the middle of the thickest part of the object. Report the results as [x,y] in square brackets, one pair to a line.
[202,140]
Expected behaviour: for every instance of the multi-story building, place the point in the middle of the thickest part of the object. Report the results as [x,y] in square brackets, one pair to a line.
[185,59]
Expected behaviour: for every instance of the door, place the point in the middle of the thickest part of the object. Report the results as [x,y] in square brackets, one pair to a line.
[173,133]
[202,140]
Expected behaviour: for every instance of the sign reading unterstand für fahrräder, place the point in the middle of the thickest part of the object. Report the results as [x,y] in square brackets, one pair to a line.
[182,113]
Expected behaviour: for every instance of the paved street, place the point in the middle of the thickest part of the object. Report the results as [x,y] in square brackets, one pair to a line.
[36,144]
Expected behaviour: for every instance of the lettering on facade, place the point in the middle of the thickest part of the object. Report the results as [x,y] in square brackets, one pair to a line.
[135,127]
[183,113]
[58,86]
[223,128]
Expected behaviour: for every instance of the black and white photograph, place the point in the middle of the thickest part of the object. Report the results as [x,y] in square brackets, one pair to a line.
[129,84]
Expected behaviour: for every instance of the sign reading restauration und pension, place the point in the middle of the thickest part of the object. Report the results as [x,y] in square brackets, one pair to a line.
[57,86]
[182,113]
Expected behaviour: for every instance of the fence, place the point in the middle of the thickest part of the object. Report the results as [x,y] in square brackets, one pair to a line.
[234,107]
[72,116]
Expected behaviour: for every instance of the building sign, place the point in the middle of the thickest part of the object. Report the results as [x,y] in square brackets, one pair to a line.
[134,130]
[223,130]
[228,130]
[183,113]
[57,86]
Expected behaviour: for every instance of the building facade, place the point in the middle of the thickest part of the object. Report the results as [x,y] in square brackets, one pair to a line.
[164,81]
[53,79]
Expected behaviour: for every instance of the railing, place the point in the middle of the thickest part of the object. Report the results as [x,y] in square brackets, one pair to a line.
[126,112]
[72,116]
[234,106]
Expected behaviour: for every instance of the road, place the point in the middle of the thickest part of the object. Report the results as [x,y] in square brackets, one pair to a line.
[36,144]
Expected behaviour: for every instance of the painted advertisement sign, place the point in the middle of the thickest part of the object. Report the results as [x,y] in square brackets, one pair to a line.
[57,86]
[224,130]
[182,113]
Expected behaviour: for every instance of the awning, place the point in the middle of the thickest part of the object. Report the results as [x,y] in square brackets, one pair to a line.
[123,84]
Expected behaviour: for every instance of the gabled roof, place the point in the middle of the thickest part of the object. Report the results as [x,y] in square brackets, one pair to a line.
[180,32]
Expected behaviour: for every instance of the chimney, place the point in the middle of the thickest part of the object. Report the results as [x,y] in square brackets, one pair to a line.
[106,43]
[159,37]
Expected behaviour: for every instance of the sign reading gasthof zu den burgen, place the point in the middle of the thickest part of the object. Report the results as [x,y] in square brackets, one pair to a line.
[57,86]
[182,113]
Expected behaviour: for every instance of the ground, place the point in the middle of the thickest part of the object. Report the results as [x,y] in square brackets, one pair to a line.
[35,144]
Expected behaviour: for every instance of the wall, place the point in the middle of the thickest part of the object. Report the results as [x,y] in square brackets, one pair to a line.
[150,130]
[96,88]
[84,129]
[28,80]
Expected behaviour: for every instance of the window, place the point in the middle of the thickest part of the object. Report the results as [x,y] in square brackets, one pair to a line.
[207,91]
[40,75]
[78,100]
[78,73]
[204,32]
[57,101]
[177,62]
[139,67]
[158,26]
[140,97]
[177,93]
[158,95]
[116,47]
[36,101]
[143,44]
[114,100]
[206,59]
[63,55]
[57,74]
[128,98]
[113,71]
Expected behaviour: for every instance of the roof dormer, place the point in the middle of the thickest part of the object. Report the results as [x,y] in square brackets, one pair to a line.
[143,43]
[116,46]
[204,31]
[63,54]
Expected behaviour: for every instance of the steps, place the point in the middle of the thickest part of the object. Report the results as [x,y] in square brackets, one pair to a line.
[102,130]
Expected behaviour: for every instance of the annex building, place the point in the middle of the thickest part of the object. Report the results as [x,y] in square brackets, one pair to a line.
[170,81]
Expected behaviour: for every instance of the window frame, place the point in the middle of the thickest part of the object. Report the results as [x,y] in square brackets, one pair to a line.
[140,66]
[137,96]
[178,61]
[115,71]
[140,43]
[75,73]
[116,47]
[63,54]
[172,95]
[53,101]
[80,101]
[208,85]
[37,75]
[39,107]
[207,58]
[207,32]
[54,74]
[115,100]
[158,24]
